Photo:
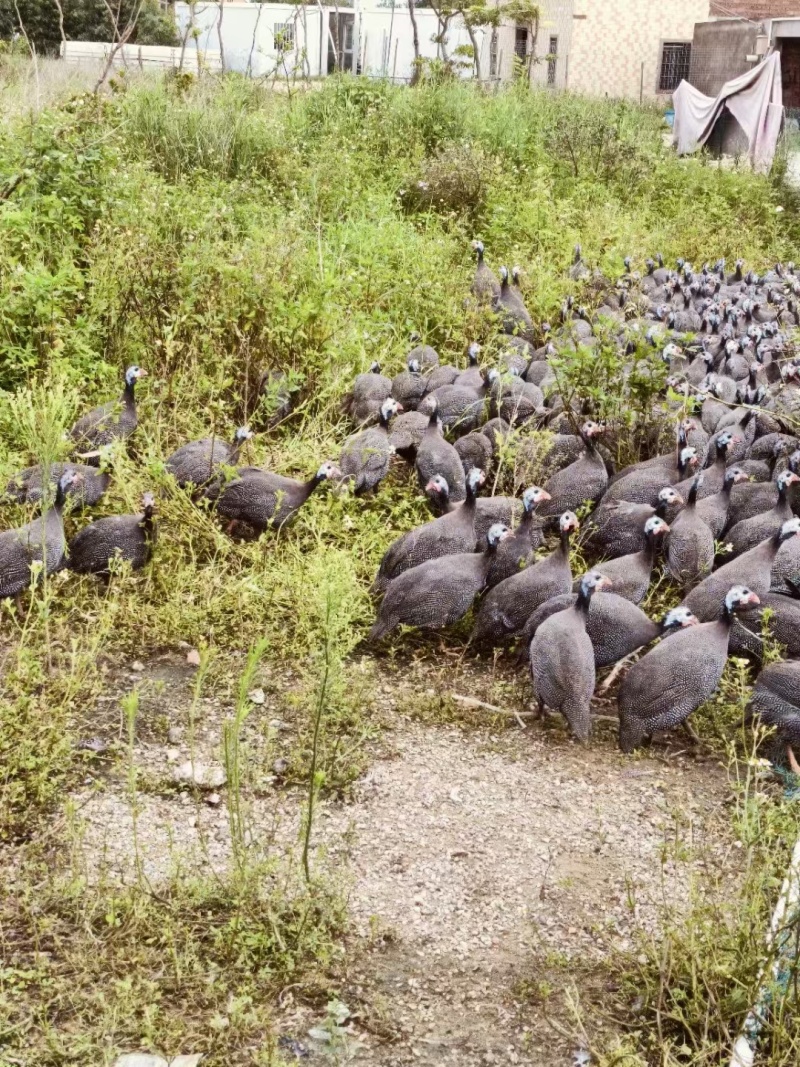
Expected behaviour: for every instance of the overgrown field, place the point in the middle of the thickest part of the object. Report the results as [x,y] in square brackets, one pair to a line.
[209,231]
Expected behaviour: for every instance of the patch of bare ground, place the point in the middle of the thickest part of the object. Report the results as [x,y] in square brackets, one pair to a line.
[492,870]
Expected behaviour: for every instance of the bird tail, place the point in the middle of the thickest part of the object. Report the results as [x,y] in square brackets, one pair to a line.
[631,734]
[579,718]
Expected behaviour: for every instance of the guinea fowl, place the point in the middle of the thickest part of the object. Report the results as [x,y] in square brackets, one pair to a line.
[690,550]
[778,615]
[630,575]
[437,456]
[578,270]
[643,484]
[106,543]
[472,376]
[750,532]
[754,567]
[446,535]
[562,660]
[460,407]
[506,608]
[26,487]
[489,510]
[110,422]
[518,550]
[369,391]
[261,499]
[514,316]
[713,476]
[786,568]
[409,386]
[485,286]
[425,355]
[406,433]
[754,498]
[516,401]
[672,680]
[475,450]
[583,480]
[438,592]
[365,458]
[198,461]
[41,541]
[713,510]
[615,626]
[776,702]
[617,528]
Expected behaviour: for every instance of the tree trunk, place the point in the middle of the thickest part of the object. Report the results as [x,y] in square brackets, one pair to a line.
[475,52]
[412,14]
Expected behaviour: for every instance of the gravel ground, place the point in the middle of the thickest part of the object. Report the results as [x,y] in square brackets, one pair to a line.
[480,863]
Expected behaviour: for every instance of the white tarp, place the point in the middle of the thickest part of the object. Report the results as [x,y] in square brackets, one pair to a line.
[755,100]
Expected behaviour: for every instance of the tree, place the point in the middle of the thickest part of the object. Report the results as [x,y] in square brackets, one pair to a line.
[84,20]
[528,14]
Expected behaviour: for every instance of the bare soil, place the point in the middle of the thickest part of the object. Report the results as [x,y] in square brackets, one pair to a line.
[492,870]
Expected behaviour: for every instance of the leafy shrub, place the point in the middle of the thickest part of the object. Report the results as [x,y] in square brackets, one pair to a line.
[455,181]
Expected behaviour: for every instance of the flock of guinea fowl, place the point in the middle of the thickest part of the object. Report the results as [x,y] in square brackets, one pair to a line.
[717,512]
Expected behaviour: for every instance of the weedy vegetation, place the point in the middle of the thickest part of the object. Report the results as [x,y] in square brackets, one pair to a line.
[208,230]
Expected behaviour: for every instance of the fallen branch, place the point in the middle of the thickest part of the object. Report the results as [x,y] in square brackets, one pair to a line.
[618,668]
[473,702]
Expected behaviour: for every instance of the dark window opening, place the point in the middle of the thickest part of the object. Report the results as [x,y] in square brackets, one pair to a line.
[552,61]
[675,59]
[493,55]
[521,43]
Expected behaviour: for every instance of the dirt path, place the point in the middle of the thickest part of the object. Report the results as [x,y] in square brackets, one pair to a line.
[486,870]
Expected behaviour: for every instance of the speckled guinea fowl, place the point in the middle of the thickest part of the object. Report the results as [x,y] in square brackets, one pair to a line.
[505,510]
[749,532]
[713,510]
[643,485]
[475,450]
[562,660]
[783,624]
[506,608]
[436,593]
[517,551]
[713,476]
[514,316]
[110,422]
[617,528]
[753,567]
[485,286]
[776,702]
[437,456]
[197,462]
[406,433]
[673,679]
[446,535]
[366,456]
[439,377]
[460,407]
[40,541]
[410,385]
[122,538]
[585,479]
[26,486]
[669,461]
[690,549]
[516,401]
[786,567]
[260,498]
[425,355]
[369,391]
[754,498]
[473,375]
[630,575]
[615,626]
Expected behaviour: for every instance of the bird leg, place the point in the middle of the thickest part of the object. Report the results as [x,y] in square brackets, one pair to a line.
[690,730]
[230,527]
[793,764]
[540,709]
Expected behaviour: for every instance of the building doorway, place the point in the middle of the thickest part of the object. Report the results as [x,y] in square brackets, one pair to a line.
[342,35]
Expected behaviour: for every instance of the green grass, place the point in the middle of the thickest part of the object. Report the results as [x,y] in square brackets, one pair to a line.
[208,230]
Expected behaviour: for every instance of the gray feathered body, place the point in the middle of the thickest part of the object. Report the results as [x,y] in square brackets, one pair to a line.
[26,486]
[434,594]
[40,541]
[109,422]
[448,535]
[563,670]
[437,456]
[261,499]
[776,699]
[751,569]
[784,626]
[671,681]
[365,458]
[506,608]
[123,537]
[617,528]
[615,626]
[197,462]
[690,549]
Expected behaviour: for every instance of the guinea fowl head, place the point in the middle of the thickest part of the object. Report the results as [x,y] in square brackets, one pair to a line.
[473,352]
[477,247]
[327,472]
[592,429]
[724,442]
[438,492]
[374,367]
[497,533]
[678,619]
[791,528]
[475,479]
[667,497]
[389,408]
[739,598]
[694,489]
[784,480]
[650,265]
[533,497]
[576,255]
[67,481]
[414,366]
[568,524]
[592,582]
[655,527]
[734,475]
[794,461]
[504,276]
[687,459]
[516,274]
[148,504]
[133,374]
[244,433]
[671,351]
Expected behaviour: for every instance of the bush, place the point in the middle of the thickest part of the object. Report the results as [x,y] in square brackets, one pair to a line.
[455,181]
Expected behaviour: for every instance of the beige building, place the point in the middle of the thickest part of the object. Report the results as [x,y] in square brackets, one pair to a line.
[618,48]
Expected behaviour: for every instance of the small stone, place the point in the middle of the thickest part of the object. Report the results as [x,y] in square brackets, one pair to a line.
[277,724]
[140,1059]
[257,696]
[280,766]
[316,1033]
[214,800]
[175,735]
[200,774]
[137,665]
[173,755]
[193,657]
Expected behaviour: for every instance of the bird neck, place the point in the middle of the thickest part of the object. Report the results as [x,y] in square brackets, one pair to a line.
[433,424]
[584,601]
[563,542]
[128,394]
[526,521]
[309,486]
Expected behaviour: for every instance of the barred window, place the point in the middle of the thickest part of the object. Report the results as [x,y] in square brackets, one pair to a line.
[283,35]
[552,61]
[493,55]
[675,59]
